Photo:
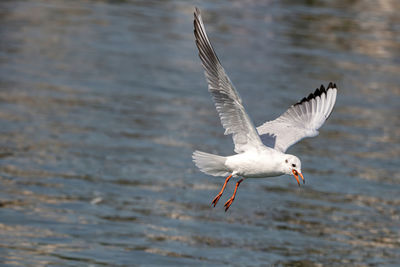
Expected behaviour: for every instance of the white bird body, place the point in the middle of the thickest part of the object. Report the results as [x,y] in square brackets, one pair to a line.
[260,151]
[256,163]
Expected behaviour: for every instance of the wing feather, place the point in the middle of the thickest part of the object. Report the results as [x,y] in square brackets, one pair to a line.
[301,120]
[227,101]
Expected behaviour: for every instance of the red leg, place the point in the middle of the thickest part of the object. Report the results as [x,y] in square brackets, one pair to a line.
[230,201]
[215,201]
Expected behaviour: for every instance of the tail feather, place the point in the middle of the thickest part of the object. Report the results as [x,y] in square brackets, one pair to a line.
[210,163]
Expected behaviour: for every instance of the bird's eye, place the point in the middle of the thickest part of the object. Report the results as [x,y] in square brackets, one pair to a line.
[286,161]
[293,165]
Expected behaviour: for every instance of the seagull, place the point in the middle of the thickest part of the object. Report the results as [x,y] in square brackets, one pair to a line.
[260,152]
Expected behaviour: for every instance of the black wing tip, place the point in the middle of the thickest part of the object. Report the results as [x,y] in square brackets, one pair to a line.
[196,10]
[310,96]
[318,92]
[197,16]
[332,86]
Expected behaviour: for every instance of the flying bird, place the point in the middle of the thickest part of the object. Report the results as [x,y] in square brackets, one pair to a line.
[260,152]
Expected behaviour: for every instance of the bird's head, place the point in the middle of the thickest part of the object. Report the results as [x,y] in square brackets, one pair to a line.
[292,166]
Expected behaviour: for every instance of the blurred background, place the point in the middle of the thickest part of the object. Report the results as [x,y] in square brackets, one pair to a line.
[103,102]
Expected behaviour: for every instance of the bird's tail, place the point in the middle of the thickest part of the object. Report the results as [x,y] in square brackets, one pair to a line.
[210,163]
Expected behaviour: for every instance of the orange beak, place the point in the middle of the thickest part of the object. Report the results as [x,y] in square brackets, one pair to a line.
[296,175]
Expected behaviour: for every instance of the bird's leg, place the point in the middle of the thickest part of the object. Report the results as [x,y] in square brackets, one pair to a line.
[230,201]
[215,201]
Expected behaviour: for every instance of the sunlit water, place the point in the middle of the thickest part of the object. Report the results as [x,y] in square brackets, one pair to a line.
[103,102]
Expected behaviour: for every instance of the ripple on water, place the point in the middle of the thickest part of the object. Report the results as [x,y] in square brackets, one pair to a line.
[102,108]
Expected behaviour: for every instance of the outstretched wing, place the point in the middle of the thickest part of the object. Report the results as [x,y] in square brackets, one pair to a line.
[301,120]
[227,101]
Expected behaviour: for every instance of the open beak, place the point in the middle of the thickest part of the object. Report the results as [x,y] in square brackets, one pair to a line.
[296,175]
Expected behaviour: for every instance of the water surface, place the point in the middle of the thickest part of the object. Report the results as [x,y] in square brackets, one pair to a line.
[103,102]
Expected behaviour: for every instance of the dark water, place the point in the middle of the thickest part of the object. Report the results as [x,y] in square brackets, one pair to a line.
[103,102]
